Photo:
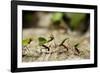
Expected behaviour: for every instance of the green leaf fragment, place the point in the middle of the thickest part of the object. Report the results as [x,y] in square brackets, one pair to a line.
[26,41]
[42,40]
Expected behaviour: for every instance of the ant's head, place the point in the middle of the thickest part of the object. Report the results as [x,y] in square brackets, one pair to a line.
[76,45]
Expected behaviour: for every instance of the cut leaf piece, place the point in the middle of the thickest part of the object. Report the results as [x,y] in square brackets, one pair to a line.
[42,40]
[25,42]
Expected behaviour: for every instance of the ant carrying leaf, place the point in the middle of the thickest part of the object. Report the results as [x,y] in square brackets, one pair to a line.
[76,49]
[62,44]
[42,40]
[27,41]
[51,38]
